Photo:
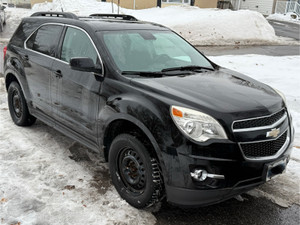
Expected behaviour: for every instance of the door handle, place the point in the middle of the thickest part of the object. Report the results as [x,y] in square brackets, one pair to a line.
[58,73]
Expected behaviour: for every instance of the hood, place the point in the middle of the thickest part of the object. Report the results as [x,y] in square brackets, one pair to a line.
[216,93]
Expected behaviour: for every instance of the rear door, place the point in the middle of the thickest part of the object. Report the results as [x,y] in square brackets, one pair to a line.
[75,94]
[41,48]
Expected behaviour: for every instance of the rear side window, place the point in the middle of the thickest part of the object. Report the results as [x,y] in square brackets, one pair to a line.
[77,44]
[45,40]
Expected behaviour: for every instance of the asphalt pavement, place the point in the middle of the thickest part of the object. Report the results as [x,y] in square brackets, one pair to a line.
[286,29]
[283,29]
[257,211]
[276,50]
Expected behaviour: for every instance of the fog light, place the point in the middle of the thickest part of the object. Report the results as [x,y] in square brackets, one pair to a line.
[201,175]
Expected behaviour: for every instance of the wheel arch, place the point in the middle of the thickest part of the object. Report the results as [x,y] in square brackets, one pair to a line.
[9,78]
[131,126]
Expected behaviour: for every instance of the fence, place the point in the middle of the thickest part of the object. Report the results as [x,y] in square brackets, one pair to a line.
[283,7]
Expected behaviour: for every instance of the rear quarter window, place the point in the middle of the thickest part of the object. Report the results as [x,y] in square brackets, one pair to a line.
[45,39]
[22,33]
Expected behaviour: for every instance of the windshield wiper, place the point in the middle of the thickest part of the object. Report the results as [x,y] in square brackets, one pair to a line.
[191,68]
[143,73]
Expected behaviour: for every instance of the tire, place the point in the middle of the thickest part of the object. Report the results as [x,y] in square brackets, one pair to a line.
[18,107]
[134,172]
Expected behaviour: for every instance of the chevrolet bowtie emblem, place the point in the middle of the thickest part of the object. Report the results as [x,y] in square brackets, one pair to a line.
[273,133]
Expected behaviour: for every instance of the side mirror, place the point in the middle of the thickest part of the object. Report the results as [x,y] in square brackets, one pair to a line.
[84,64]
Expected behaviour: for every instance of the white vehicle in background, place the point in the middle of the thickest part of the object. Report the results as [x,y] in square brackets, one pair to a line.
[2,17]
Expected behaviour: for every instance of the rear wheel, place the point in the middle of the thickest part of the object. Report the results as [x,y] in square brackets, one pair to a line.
[18,107]
[135,173]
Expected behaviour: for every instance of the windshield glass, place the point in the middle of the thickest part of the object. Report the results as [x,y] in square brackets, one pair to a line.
[150,51]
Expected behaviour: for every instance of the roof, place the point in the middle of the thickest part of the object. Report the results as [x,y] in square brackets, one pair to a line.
[98,22]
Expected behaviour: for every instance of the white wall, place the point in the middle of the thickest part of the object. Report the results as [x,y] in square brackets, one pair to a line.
[263,6]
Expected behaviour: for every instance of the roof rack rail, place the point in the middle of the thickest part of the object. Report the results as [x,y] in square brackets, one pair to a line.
[56,14]
[114,16]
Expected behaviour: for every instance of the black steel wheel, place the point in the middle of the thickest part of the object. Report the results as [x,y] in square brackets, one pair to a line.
[134,172]
[18,107]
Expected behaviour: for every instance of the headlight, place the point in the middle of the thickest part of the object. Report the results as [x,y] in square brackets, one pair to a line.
[197,125]
[284,100]
[282,96]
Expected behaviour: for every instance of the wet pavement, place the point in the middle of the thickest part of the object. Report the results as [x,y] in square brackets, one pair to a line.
[250,211]
[243,50]
[283,29]
[286,29]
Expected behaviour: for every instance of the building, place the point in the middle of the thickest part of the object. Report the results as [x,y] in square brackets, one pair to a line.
[265,7]
[38,1]
[18,3]
[143,4]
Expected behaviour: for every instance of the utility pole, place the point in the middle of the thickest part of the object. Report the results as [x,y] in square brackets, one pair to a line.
[118,6]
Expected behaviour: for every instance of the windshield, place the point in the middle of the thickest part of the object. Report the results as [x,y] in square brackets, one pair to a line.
[150,51]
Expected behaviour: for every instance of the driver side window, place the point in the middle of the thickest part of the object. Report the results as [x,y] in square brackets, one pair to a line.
[77,44]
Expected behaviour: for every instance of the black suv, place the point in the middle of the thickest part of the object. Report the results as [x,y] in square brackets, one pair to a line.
[171,123]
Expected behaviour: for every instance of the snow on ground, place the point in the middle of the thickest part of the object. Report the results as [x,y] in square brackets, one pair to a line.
[199,26]
[39,166]
[282,73]
[288,17]
[45,178]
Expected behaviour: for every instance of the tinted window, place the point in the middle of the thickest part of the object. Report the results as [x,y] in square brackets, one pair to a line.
[45,39]
[22,33]
[77,44]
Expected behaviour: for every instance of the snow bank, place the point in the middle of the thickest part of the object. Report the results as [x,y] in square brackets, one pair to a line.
[288,17]
[212,26]
[199,26]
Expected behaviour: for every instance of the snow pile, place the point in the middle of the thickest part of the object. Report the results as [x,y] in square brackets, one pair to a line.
[199,26]
[282,73]
[78,7]
[212,26]
[289,17]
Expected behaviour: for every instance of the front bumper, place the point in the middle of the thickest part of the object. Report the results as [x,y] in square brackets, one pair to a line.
[193,197]
[240,174]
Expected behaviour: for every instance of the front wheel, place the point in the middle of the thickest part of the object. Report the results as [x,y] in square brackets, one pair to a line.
[134,172]
[18,107]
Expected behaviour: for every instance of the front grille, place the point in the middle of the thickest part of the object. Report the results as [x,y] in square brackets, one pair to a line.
[259,122]
[265,148]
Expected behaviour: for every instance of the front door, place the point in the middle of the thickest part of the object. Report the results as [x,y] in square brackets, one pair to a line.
[76,94]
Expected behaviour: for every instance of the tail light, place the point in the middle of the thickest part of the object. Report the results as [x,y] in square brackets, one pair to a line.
[4,51]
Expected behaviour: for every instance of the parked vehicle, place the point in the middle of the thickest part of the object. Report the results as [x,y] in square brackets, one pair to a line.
[2,17]
[171,122]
